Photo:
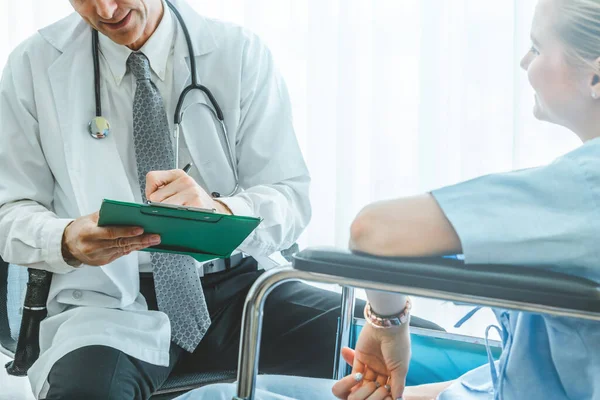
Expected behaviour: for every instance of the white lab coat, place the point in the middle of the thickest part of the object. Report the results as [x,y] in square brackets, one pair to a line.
[52,171]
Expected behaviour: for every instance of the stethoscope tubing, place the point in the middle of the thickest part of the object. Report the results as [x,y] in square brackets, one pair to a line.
[216,111]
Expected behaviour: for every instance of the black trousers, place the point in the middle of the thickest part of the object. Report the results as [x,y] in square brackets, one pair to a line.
[298,338]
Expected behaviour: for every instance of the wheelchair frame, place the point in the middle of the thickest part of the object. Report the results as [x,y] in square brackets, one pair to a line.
[253,314]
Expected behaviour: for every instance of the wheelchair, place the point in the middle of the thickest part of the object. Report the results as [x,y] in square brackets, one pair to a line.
[500,286]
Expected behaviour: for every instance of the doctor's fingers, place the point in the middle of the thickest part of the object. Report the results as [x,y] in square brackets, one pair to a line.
[342,388]
[138,241]
[108,256]
[157,179]
[182,184]
[123,251]
[382,393]
[102,252]
[178,192]
[365,391]
[194,197]
[112,232]
[348,355]
[99,257]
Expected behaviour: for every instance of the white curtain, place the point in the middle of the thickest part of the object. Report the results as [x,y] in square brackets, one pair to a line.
[391,97]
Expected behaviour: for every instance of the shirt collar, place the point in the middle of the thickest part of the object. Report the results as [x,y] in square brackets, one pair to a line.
[157,49]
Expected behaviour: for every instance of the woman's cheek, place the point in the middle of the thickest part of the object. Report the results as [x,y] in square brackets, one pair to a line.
[534,75]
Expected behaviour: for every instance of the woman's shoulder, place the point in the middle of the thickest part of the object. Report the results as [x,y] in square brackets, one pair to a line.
[585,160]
[587,152]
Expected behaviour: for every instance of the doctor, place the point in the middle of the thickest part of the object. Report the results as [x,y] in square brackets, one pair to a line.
[104,337]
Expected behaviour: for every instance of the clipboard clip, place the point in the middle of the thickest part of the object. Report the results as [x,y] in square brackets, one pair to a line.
[181,208]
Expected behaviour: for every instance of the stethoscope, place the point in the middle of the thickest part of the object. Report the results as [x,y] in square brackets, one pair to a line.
[99,127]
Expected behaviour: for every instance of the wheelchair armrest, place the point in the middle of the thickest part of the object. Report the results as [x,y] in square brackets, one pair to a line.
[34,312]
[6,340]
[500,283]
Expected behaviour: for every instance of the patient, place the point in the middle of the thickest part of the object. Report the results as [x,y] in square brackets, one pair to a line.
[546,217]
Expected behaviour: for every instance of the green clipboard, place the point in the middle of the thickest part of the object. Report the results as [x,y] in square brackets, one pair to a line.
[203,235]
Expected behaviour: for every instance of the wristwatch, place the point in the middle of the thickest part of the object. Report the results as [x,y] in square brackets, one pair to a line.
[388,321]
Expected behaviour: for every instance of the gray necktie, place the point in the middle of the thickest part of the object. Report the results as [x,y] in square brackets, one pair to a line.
[178,290]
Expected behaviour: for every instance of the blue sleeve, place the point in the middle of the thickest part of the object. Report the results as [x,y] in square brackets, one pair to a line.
[539,217]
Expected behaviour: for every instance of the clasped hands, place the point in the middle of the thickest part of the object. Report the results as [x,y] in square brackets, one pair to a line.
[84,242]
[379,365]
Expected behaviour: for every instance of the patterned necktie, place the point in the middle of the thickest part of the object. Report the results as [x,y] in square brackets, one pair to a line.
[178,290]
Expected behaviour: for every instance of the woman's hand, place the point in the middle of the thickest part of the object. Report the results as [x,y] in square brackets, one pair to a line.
[381,358]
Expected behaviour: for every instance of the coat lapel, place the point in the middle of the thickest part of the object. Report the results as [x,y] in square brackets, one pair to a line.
[95,167]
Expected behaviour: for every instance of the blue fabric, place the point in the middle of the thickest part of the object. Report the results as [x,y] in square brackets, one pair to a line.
[547,218]
[468,316]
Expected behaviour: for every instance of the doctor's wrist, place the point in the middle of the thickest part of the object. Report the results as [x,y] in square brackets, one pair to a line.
[222,208]
[68,256]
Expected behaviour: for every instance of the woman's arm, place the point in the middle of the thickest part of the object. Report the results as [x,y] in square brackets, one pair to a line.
[407,227]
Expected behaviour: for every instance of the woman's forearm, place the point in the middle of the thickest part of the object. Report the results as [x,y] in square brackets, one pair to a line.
[384,303]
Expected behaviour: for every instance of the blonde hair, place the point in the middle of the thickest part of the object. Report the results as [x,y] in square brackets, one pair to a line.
[579,29]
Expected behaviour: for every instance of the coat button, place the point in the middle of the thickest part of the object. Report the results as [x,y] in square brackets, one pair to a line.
[77,294]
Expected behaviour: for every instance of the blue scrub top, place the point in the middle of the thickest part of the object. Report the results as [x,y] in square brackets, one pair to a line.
[549,218]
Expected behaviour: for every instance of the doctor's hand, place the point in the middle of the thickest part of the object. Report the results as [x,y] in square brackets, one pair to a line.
[84,242]
[178,188]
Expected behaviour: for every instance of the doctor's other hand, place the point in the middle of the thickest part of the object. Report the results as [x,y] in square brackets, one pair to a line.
[380,354]
[84,242]
[178,188]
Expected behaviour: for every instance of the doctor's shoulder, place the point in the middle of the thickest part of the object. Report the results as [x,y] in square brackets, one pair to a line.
[31,52]
[39,51]
[26,70]
[236,39]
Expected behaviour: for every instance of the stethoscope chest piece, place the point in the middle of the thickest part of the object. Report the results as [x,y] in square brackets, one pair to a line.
[99,128]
